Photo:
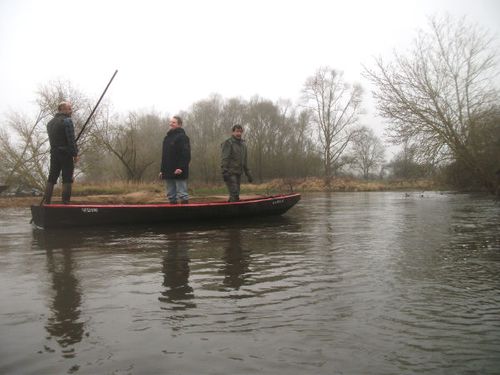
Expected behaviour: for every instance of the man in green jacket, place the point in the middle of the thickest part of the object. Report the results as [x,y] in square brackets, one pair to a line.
[234,162]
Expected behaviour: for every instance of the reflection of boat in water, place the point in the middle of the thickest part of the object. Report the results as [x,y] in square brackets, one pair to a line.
[78,237]
[72,215]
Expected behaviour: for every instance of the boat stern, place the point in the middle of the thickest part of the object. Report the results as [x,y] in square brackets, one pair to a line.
[37,216]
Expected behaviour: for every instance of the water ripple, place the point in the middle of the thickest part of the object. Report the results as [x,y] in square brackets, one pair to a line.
[375,283]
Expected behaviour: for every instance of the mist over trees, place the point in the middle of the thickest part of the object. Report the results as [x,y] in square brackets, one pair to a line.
[440,100]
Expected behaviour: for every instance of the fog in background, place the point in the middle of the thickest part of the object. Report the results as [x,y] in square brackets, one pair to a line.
[171,54]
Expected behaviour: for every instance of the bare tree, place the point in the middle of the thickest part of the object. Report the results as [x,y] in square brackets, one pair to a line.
[205,130]
[135,142]
[264,133]
[25,148]
[368,151]
[303,157]
[335,105]
[24,159]
[440,92]
[232,113]
[278,138]
[405,164]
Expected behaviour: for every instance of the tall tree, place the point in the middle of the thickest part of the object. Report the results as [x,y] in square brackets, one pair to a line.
[405,164]
[303,158]
[203,123]
[440,93]
[25,156]
[335,105]
[263,122]
[135,142]
[368,151]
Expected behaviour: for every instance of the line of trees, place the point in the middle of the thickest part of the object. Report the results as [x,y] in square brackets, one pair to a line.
[282,139]
[440,101]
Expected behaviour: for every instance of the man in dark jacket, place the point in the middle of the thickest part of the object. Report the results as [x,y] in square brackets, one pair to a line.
[234,162]
[175,158]
[63,152]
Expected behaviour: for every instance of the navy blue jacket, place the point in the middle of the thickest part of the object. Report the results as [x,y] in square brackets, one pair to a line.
[176,154]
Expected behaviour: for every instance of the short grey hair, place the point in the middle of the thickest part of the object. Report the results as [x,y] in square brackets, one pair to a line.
[62,106]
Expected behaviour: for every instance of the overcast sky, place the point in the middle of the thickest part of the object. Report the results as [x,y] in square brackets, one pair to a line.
[171,54]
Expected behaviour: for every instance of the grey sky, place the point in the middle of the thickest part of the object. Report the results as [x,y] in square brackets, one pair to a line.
[172,53]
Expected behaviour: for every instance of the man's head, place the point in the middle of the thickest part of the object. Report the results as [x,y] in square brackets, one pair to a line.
[237,131]
[65,107]
[175,122]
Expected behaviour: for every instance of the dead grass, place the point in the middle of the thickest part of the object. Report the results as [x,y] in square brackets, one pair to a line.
[346,184]
[130,193]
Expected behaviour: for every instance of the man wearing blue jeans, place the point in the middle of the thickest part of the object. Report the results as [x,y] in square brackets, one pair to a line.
[175,158]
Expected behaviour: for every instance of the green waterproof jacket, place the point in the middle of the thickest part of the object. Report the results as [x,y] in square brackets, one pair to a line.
[234,157]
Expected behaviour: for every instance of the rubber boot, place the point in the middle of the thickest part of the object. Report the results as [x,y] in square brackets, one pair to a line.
[184,201]
[47,196]
[172,202]
[66,193]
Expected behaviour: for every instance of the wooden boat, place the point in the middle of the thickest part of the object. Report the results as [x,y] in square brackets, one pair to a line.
[75,215]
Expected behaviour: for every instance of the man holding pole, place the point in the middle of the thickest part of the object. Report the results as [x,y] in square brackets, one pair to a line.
[63,148]
[63,152]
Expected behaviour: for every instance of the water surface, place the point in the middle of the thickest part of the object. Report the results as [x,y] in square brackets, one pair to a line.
[345,283]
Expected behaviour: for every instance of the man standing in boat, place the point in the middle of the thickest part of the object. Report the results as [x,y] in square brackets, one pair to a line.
[175,158]
[63,152]
[234,162]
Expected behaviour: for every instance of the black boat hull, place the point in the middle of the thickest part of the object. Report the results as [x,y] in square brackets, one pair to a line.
[60,216]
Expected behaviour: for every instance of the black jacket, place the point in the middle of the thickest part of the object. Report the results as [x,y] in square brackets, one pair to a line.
[176,154]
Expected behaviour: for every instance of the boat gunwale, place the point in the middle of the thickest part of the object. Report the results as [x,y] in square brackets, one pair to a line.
[168,205]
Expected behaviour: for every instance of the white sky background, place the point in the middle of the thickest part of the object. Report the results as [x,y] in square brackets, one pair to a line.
[171,54]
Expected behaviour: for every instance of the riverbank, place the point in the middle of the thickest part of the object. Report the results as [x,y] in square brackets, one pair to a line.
[129,193]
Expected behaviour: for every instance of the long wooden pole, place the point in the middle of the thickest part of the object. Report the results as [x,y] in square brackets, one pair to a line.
[88,119]
[98,102]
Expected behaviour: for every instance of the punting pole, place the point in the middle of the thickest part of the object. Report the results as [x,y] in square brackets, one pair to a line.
[98,102]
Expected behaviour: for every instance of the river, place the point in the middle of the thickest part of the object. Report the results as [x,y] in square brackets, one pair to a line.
[344,283]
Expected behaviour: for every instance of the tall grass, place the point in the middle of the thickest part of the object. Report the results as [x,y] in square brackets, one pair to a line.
[275,186]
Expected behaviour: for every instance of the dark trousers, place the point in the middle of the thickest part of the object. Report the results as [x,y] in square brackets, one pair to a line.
[61,161]
[233,186]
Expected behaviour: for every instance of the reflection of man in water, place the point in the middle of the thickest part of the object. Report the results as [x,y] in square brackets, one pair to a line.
[176,274]
[236,261]
[497,190]
[64,324]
